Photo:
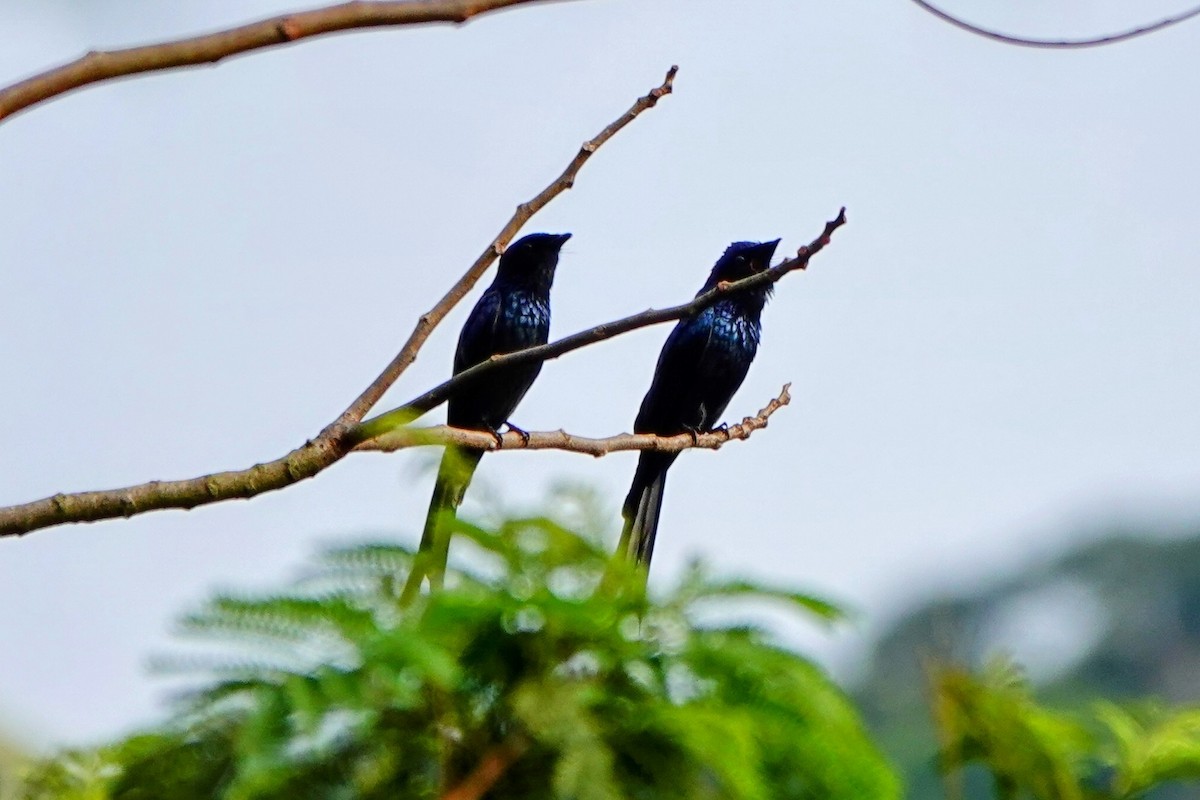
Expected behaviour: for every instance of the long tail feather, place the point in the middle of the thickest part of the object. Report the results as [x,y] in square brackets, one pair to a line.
[454,476]
[642,508]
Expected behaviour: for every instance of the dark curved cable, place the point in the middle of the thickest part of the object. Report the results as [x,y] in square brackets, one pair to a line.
[1059,44]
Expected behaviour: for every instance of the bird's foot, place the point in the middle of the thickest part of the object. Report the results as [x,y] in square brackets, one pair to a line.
[499,437]
[524,434]
[694,432]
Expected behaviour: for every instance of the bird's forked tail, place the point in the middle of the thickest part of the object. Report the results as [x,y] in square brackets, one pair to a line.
[642,507]
[453,477]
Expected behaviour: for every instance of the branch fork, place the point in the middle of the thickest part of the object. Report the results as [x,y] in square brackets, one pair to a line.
[406,437]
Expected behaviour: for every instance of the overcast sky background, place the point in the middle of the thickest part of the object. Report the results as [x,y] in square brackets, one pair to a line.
[200,269]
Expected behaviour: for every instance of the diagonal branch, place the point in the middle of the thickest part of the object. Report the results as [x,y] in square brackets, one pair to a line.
[335,440]
[98,66]
[1055,44]
[428,321]
[404,438]
[546,352]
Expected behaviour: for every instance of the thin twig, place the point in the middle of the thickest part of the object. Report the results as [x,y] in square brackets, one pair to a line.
[491,767]
[428,321]
[404,438]
[1056,44]
[98,66]
[335,440]
[546,352]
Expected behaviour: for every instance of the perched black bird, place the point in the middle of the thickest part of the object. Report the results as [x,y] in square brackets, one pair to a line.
[703,362]
[513,314]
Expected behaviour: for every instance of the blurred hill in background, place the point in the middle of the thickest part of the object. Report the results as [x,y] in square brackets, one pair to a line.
[1117,619]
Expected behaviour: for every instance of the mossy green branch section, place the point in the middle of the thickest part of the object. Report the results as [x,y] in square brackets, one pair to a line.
[305,462]
[406,437]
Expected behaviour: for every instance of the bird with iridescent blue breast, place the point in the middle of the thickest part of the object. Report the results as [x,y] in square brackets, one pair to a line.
[512,314]
[702,364]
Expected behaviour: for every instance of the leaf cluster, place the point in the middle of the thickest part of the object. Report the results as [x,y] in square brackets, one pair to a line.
[542,670]
[991,719]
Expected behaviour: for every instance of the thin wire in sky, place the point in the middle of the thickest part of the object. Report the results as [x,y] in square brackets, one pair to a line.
[1056,44]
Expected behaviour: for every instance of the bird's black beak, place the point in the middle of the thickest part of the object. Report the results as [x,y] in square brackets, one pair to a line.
[562,239]
[766,251]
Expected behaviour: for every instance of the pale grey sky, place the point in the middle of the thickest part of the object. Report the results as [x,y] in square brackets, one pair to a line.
[202,268]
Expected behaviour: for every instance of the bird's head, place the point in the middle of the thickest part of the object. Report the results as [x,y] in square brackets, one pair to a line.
[532,259]
[741,260]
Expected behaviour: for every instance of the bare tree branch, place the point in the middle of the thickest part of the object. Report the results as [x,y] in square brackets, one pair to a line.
[316,455]
[98,66]
[546,352]
[435,315]
[1055,44]
[404,438]
[335,440]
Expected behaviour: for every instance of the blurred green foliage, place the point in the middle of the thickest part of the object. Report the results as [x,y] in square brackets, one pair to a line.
[991,719]
[543,670]
[11,759]
[1134,590]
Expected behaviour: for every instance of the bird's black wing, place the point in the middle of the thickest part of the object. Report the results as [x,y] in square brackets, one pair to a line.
[477,341]
[674,402]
